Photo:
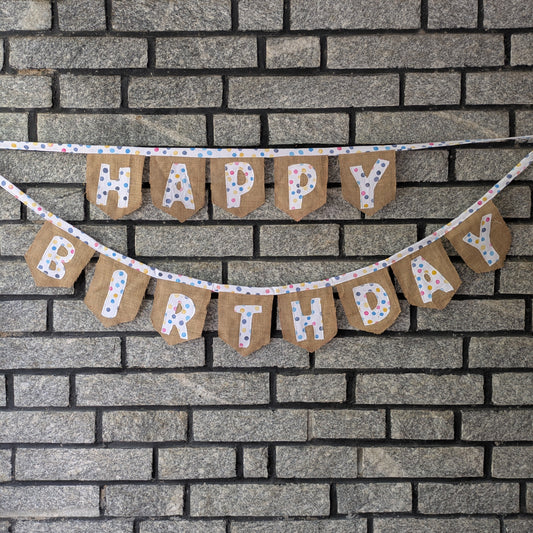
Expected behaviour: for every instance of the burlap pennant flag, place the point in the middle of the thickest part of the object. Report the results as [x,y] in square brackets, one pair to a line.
[114,183]
[177,185]
[427,277]
[238,185]
[308,318]
[56,258]
[483,239]
[116,292]
[244,321]
[370,302]
[300,184]
[368,180]
[179,311]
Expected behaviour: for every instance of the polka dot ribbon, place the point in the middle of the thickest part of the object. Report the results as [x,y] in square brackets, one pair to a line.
[283,289]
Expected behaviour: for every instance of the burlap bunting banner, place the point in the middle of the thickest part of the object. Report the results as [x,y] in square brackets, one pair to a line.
[238,187]
[114,183]
[177,185]
[368,180]
[427,277]
[370,302]
[482,240]
[244,321]
[56,258]
[300,184]
[116,292]
[179,311]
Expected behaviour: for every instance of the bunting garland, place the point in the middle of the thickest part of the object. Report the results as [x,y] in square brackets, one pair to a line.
[307,310]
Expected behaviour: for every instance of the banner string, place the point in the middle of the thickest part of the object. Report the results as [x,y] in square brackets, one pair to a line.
[282,289]
[212,153]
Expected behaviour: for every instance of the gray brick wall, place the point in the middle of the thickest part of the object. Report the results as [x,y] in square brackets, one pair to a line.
[427,428]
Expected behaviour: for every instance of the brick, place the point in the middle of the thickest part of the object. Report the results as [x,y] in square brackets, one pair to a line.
[74,526]
[501,352]
[374,497]
[491,88]
[183,241]
[143,500]
[256,499]
[488,164]
[75,316]
[517,278]
[9,210]
[432,88]
[25,91]
[312,128]
[77,52]
[197,463]
[403,51]
[113,236]
[84,15]
[338,525]
[14,126]
[260,273]
[62,352]
[209,270]
[316,461]
[521,49]
[145,426]
[200,388]
[346,424]
[512,14]
[170,91]
[48,501]
[83,464]
[390,352]
[239,130]
[250,425]
[255,462]
[512,388]
[19,316]
[150,352]
[444,498]
[419,389]
[41,391]
[497,425]
[260,15]
[135,130]
[207,52]
[313,91]
[25,15]
[187,16]
[16,278]
[474,284]
[436,525]
[421,424]
[445,462]
[452,14]
[311,388]
[293,52]
[474,315]
[89,91]
[65,201]
[523,122]
[306,240]
[42,167]
[310,15]
[4,527]
[522,235]
[183,526]
[373,127]
[518,525]
[422,166]
[512,461]
[5,465]
[47,426]
[279,353]
[383,239]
